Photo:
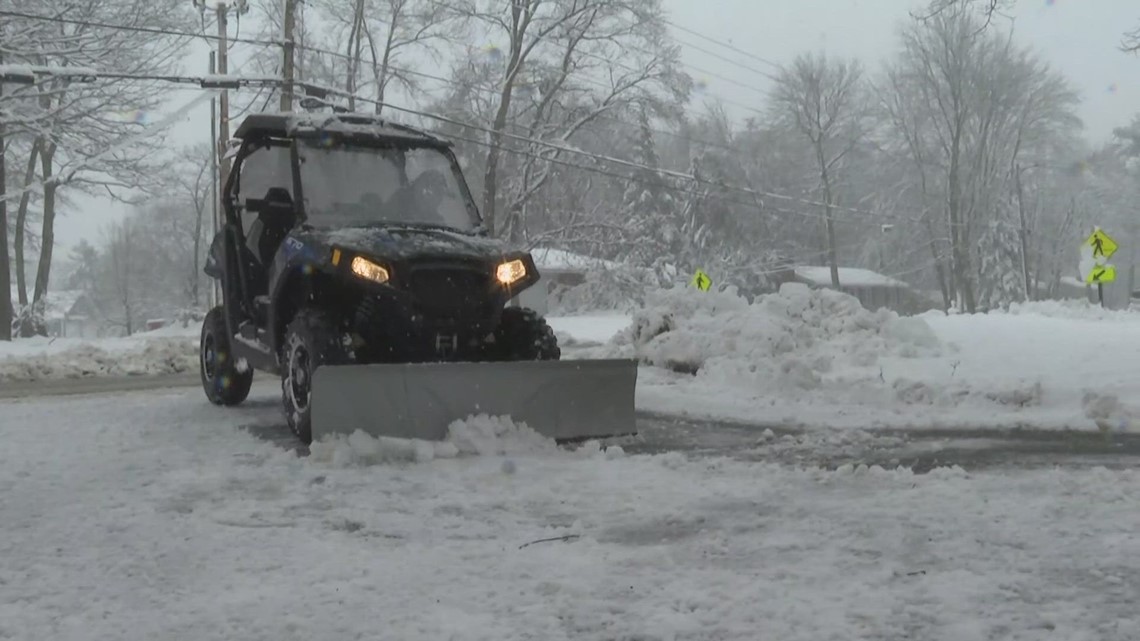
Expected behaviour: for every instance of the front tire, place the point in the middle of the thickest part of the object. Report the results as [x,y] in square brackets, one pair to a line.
[222,379]
[311,340]
[523,335]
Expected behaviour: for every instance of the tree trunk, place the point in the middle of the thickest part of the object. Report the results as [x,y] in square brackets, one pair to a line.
[47,241]
[21,225]
[1023,233]
[491,174]
[194,275]
[825,180]
[5,264]
[947,299]
[354,53]
[958,238]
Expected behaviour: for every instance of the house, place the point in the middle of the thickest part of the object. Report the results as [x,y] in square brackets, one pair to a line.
[874,290]
[560,270]
[68,313]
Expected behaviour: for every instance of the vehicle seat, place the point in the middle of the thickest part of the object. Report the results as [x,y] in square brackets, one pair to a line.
[275,218]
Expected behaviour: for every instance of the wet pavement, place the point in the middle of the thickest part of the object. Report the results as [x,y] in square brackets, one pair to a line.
[920,450]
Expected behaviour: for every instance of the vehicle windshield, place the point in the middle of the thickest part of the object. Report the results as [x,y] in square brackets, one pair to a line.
[355,185]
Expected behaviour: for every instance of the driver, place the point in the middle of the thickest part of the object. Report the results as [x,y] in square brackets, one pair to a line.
[423,197]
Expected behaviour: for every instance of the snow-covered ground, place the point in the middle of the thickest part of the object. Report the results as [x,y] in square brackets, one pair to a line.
[158,516]
[799,358]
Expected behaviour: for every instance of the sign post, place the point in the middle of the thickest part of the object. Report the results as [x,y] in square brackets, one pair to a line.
[1097,249]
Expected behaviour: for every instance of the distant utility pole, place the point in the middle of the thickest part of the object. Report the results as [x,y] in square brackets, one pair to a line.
[287,68]
[224,101]
[215,192]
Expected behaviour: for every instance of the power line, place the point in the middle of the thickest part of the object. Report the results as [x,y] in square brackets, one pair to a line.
[490,91]
[612,61]
[730,61]
[134,28]
[601,157]
[559,148]
[723,44]
[398,69]
[314,88]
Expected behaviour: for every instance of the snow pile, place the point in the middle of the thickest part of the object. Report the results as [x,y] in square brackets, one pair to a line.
[793,337]
[479,435]
[1069,309]
[156,356]
[1108,412]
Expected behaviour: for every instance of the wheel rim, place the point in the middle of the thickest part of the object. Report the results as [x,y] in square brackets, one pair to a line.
[209,357]
[299,378]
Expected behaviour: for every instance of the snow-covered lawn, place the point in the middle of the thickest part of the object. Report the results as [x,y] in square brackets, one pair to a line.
[153,516]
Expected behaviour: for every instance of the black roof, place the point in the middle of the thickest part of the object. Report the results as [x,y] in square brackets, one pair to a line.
[352,125]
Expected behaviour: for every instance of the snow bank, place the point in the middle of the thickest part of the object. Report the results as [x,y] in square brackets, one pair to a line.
[479,435]
[787,339]
[114,358]
[817,358]
[1070,309]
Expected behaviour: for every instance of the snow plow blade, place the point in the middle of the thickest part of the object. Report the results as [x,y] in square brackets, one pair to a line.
[563,400]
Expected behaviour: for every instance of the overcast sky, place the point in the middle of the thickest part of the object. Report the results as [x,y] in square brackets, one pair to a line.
[1079,37]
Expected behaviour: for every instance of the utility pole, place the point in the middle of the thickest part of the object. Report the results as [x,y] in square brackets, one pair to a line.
[288,46]
[215,191]
[223,102]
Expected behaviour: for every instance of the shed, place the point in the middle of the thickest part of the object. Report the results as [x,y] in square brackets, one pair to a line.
[560,269]
[68,313]
[874,290]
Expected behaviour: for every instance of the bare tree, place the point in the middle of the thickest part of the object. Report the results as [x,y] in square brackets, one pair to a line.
[193,179]
[989,9]
[821,99]
[391,33]
[542,79]
[70,124]
[995,110]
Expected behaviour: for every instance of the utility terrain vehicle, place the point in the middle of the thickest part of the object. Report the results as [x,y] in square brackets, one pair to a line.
[354,265]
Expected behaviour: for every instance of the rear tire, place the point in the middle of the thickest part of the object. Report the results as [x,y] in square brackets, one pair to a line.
[312,339]
[523,335]
[221,380]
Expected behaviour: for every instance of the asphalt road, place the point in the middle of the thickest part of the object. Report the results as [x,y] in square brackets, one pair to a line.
[920,450]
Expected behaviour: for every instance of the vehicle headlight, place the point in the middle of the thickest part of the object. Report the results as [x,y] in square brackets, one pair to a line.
[369,270]
[510,272]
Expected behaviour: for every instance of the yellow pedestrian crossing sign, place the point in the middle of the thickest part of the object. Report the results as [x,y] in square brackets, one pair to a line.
[1102,244]
[701,281]
[1101,274]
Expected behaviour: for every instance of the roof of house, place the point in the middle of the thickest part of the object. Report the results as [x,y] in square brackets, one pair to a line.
[59,303]
[848,277]
[551,259]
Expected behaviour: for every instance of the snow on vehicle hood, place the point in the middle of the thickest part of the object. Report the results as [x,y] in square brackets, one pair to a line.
[397,243]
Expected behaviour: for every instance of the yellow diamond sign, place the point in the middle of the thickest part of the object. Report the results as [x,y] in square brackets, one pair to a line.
[1101,274]
[701,281]
[1103,246]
